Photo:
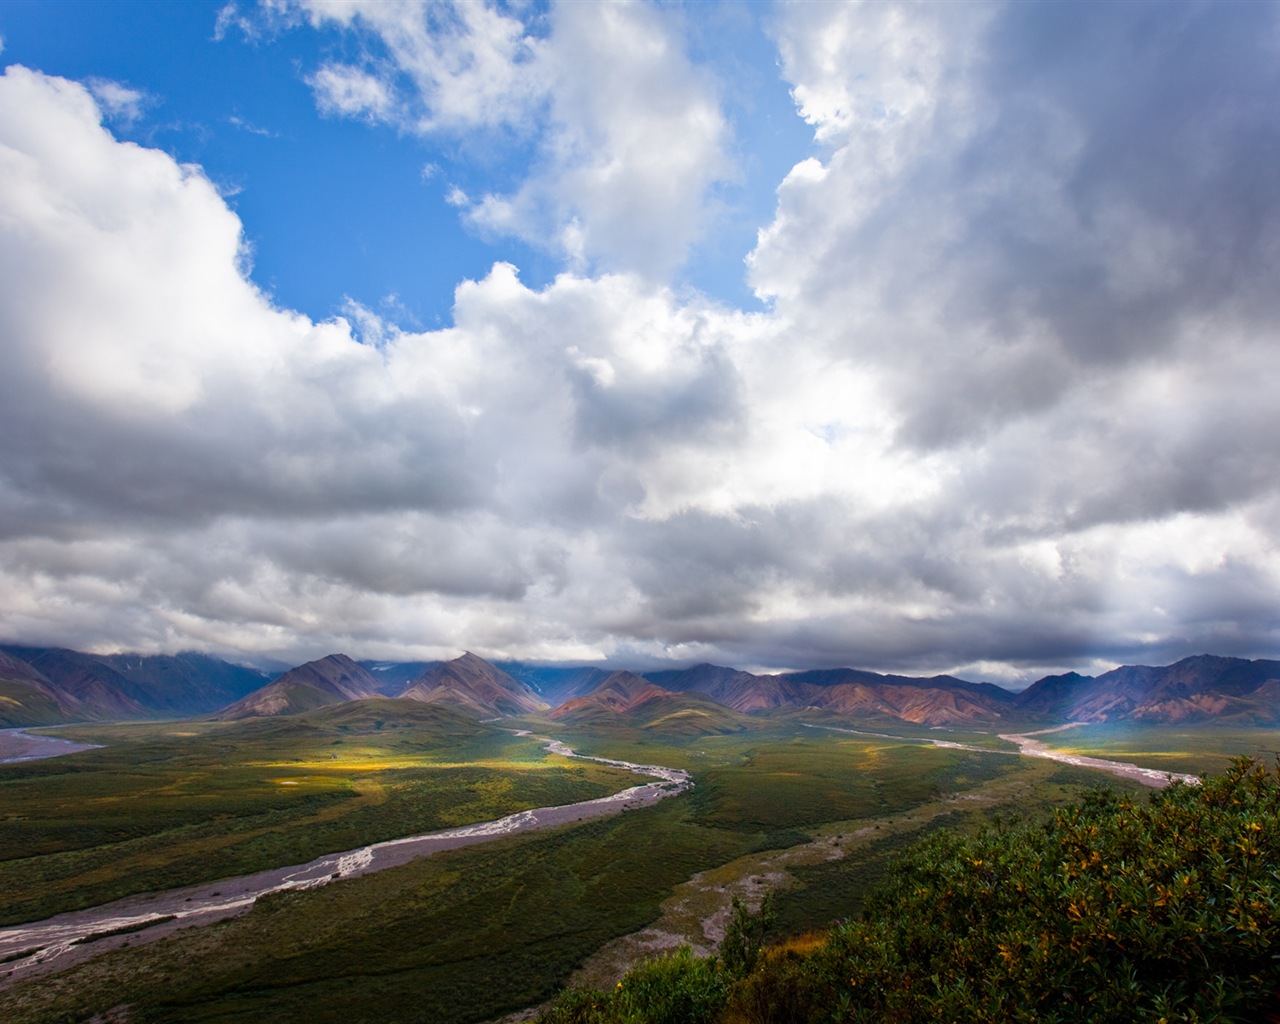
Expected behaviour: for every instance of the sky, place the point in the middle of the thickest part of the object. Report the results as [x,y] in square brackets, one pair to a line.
[912,337]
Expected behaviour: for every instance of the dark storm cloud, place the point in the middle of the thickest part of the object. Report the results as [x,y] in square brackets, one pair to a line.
[1092,179]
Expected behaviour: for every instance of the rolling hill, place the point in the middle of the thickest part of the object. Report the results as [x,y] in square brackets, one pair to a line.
[471,683]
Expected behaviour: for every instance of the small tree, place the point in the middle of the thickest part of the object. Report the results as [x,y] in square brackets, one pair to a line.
[744,936]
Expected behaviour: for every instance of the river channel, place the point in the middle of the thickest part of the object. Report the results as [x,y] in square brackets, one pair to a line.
[19,745]
[28,950]
[1028,746]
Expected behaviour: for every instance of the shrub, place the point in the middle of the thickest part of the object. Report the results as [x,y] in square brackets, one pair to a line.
[675,989]
[1113,911]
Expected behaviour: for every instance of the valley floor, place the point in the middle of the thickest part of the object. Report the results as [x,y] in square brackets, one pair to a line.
[463,936]
[19,745]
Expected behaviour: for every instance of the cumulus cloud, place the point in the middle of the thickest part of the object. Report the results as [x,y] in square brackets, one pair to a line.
[627,135]
[1009,410]
[118,102]
[161,396]
[351,92]
[449,66]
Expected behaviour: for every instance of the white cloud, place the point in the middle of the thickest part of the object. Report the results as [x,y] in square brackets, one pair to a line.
[628,134]
[468,65]
[348,91]
[229,17]
[118,102]
[164,398]
[635,140]
[1011,405]
[239,122]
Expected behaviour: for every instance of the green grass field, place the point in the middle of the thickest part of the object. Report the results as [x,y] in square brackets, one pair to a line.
[1196,750]
[174,804]
[464,936]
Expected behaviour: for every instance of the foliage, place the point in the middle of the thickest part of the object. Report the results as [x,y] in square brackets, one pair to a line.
[675,989]
[744,936]
[1113,911]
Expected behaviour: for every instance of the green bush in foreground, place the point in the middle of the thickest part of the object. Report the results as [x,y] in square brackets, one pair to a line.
[1113,911]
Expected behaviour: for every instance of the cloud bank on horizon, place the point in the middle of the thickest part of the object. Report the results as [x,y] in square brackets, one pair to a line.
[1008,404]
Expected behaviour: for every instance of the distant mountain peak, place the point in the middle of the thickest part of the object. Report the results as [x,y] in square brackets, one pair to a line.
[333,679]
[626,698]
[471,682]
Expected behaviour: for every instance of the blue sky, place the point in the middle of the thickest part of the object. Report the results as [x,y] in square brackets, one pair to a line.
[337,208]
[917,337]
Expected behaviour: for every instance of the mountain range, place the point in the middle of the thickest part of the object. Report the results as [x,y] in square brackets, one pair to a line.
[114,687]
[44,686]
[628,699]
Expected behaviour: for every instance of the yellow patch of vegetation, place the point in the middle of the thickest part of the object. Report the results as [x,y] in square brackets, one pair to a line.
[342,763]
[801,944]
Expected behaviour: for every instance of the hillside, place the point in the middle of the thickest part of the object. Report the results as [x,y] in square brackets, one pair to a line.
[471,683]
[624,698]
[393,676]
[387,715]
[740,691]
[184,684]
[1202,688]
[331,680]
[70,685]
[937,700]
[28,698]
[555,684]
[136,686]
[1113,911]
[87,684]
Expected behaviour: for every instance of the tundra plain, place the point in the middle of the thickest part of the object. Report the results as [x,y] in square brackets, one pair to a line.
[472,934]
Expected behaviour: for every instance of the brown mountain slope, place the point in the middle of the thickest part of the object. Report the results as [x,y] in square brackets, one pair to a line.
[1198,689]
[471,683]
[28,698]
[917,704]
[82,681]
[937,700]
[631,701]
[331,680]
[741,691]
[617,693]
